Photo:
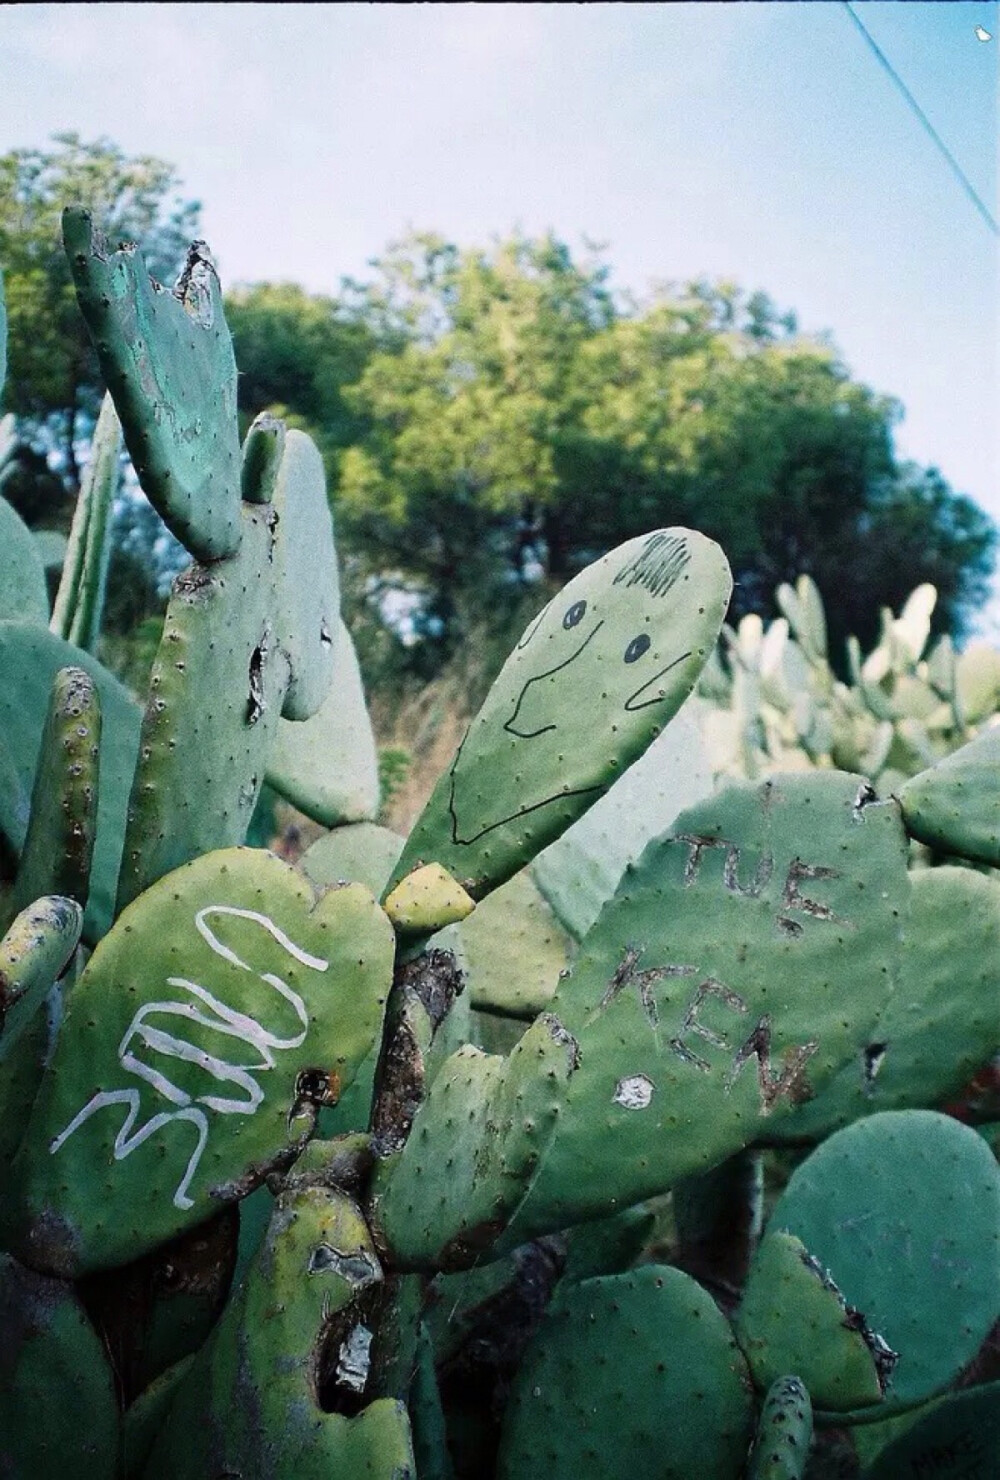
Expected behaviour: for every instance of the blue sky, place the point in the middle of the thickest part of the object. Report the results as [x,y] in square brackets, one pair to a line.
[757,142]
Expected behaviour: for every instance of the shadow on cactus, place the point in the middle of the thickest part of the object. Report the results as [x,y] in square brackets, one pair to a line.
[405,1159]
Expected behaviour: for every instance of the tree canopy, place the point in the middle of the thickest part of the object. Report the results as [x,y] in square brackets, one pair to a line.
[492,419]
[53,382]
[528,421]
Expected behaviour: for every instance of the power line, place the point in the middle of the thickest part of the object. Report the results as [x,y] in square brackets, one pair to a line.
[923,119]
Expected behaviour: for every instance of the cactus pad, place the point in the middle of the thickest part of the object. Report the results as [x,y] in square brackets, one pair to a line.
[955,806]
[595,677]
[784,1432]
[193,1057]
[24,595]
[59,845]
[903,1210]
[358,853]
[940,1024]
[514,949]
[492,1118]
[30,658]
[268,1397]
[959,1439]
[168,361]
[427,899]
[58,1412]
[327,765]
[629,1376]
[793,1317]
[33,955]
[309,609]
[739,966]
[79,603]
[215,695]
[580,871]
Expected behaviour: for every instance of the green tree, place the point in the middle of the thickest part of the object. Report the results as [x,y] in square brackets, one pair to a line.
[448,491]
[296,351]
[530,422]
[53,382]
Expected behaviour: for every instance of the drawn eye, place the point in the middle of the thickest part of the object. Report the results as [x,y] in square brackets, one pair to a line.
[637,647]
[575,614]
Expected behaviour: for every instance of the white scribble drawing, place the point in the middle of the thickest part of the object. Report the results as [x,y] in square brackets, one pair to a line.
[221,1019]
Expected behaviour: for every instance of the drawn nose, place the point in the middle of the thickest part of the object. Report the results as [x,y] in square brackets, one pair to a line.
[536,705]
[548,695]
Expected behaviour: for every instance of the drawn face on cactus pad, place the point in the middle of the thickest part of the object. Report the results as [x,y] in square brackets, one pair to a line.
[594,677]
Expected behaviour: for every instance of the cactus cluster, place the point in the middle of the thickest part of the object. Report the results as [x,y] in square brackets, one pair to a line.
[597,1128]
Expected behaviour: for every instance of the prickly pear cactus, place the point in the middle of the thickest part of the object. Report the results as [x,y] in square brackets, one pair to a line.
[877,1206]
[940,1025]
[955,806]
[784,1432]
[313,1227]
[224,1008]
[649,1347]
[168,361]
[250,1403]
[793,1316]
[595,677]
[958,1439]
[30,659]
[714,995]
[34,953]
[58,1411]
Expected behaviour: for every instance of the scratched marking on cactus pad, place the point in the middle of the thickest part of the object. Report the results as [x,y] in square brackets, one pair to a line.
[772,1085]
[222,1019]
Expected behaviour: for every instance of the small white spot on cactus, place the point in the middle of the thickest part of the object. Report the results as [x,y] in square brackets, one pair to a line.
[634,1093]
[354,1359]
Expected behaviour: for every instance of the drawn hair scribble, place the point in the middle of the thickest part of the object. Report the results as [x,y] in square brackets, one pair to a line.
[658,565]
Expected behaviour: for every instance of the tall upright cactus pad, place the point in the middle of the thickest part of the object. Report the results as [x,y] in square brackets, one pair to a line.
[328,766]
[955,806]
[793,1317]
[494,1116]
[784,1432]
[33,955]
[630,1377]
[592,681]
[62,830]
[237,640]
[740,965]
[226,1006]
[79,601]
[308,611]
[215,695]
[277,1393]
[30,658]
[167,359]
[940,1025]
[903,1211]
[58,1412]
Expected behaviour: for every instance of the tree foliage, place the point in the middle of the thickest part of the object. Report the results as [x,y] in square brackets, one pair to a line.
[296,352]
[529,421]
[493,419]
[53,382]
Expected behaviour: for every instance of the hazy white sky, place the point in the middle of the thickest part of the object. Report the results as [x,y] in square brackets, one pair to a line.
[758,142]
